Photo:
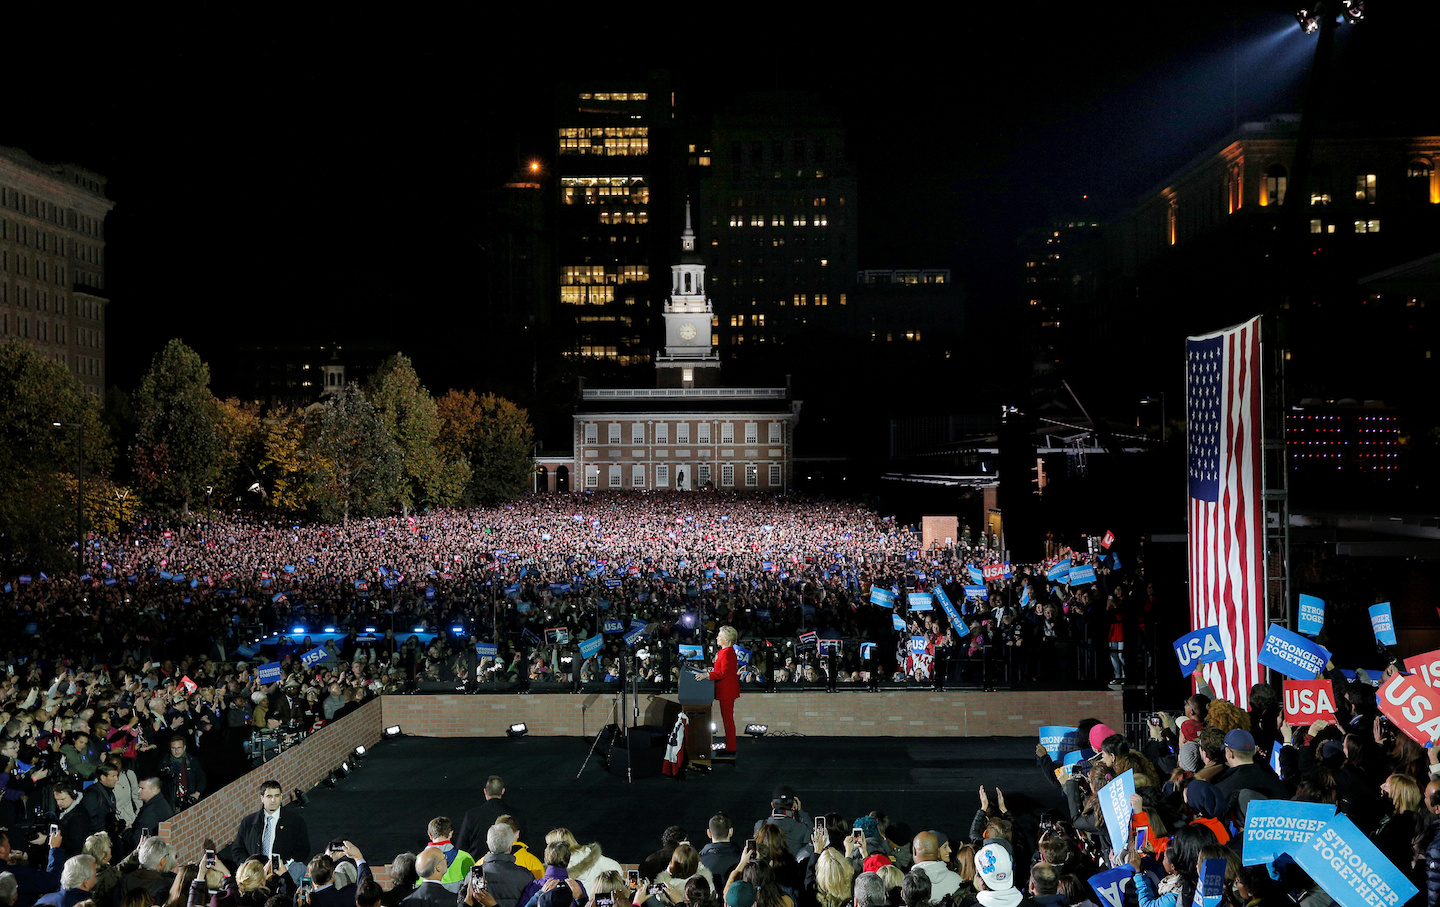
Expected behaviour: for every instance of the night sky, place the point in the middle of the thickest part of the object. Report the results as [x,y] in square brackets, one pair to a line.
[302,175]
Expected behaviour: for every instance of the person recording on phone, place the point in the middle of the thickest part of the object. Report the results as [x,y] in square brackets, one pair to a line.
[726,674]
[321,871]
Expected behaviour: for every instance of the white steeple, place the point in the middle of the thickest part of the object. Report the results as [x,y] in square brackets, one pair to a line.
[688,313]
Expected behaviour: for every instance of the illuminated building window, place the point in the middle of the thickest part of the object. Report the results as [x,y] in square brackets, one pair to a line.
[702,434]
[637,476]
[757,320]
[592,476]
[757,220]
[662,475]
[752,475]
[821,220]
[682,433]
[727,476]
[727,432]
[1315,225]
[637,432]
[703,473]
[714,339]
[1273,192]
[800,299]
[774,475]
[662,432]
[775,429]
[842,299]
[737,220]
[615,476]
[1367,226]
[1365,188]
[752,432]
[798,221]
[737,321]
[614,433]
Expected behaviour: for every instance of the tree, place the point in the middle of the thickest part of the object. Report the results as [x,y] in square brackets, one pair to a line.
[354,465]
[495,437]
[176,448]
[241,437]
[409,415]
[38,458]
[283,462]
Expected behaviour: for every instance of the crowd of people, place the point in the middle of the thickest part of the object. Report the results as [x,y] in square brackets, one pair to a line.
[537,577]
[1197,773]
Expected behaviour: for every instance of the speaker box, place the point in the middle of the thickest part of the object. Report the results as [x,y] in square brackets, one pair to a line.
[642,755]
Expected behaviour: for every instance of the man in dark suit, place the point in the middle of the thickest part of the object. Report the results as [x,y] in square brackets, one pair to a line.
[322,873]
[154,810]
[274,829]
[430,866]
[478,820]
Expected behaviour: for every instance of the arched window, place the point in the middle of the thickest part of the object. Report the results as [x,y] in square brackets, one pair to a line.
[1420,184]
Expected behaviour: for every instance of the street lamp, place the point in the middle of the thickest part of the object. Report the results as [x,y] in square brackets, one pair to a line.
[79,493]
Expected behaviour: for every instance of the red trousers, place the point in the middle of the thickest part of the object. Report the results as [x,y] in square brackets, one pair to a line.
[727,713]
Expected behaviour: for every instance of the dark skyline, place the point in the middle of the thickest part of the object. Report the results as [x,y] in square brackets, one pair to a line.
[300,178]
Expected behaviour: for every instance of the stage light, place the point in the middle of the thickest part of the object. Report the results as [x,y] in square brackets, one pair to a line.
[419,629]
[756,730]
[329,780]
[1354,10]
[369,629]
[517,730]
[1309,20]
[359,752]
[329,629]
[345,768]
[299,798]
[457,630]
[687,619]
[392,732]
[297,629]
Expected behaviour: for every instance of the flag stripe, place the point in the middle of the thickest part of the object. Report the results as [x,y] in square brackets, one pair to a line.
[1226,514]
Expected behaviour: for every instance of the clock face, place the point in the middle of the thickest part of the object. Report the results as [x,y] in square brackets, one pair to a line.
[687,331]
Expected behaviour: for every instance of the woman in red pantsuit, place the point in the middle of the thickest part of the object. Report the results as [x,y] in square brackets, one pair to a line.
[726,674]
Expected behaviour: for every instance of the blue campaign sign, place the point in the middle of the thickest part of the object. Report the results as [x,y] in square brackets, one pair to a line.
[268,673]
[637,626]
[917,645]
[1212,882]
[588,647]
[1110,885]
[979,592]
[1382,621]
[866,650]
[1059,571]
[921,601]
[522,607]
[1115,803]
[898,622]
[612,583]
[1312,614]
[1080,575]
[314,656]
[762,613]
[486,650]
[1197,648]
[1024,595]
[742,654]
[1273,827]
[976,574]
[1351,869]
[692,653]
[614,625]
[961,628]
[1292,654]
[882,597]
[1059,740]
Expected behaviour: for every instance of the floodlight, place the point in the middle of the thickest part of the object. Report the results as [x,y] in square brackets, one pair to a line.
[517,730]
[1309,20]
[756,730]
[1354,10]
[419,629]
[297,629]
[392,732]
[359,752]
[329,629]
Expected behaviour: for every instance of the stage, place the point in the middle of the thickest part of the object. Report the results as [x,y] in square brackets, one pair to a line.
[384,805]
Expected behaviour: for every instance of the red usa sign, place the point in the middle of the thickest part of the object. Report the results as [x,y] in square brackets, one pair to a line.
[992,572]
[1413,707]
[1309,701]
[1426,667]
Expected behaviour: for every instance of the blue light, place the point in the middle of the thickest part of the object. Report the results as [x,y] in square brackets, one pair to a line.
[457,629]
[369,629]
[329,629]
[419,629]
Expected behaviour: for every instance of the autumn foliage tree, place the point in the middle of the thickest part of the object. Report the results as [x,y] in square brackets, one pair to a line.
[495,438]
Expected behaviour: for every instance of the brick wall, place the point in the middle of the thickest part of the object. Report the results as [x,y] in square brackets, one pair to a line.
[888,713]
[303,766]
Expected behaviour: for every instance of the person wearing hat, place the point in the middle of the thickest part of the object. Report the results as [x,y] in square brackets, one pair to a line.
[995,878]
[1246,773]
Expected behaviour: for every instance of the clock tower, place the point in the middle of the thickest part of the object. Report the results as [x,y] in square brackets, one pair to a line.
[689,359]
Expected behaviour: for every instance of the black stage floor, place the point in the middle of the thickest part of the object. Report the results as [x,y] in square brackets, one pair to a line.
[385,804]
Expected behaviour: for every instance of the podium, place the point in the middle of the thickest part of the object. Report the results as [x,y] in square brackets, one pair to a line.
[696,699]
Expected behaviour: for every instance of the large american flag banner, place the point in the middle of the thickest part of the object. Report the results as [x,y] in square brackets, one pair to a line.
[1227,544]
